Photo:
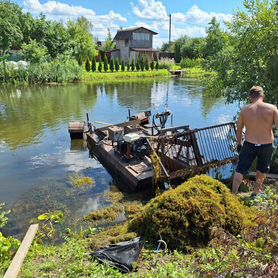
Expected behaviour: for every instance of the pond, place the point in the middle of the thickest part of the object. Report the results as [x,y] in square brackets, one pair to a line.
[37,157]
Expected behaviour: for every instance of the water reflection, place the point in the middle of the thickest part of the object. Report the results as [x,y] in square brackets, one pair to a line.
[27,112]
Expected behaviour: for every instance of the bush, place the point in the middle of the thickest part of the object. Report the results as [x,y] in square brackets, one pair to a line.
[56,71]
[191,63]
[128,66]
[117,66]
[186,215]
[8,245]
[132,65]
[105,63]
[87,65]
[111,65]
[142,64]
[100,66]
[152,65]
[156,65]
[147,64]
[94,65]
[137,65]
[122,65]
[166,63]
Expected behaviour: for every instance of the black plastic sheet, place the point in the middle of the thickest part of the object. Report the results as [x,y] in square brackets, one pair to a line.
[121,255]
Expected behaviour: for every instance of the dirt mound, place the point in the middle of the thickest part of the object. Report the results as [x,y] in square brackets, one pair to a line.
[185,216]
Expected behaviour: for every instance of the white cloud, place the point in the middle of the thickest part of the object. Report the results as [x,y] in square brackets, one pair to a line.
[57,8]
[192,23]
[162,28]
[190,31]
[150,9]
[61,11]
[196,16]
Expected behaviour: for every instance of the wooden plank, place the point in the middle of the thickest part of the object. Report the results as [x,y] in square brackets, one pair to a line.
[21,253]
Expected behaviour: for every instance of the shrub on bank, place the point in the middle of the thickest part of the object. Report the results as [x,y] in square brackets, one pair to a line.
[166,63]
[191,63]
[8,245]
[186,215]
[55,71]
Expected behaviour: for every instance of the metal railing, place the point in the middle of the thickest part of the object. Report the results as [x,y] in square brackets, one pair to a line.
[197,150]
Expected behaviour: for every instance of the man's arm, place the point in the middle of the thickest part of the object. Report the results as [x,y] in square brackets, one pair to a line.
[239,129]
[276,119]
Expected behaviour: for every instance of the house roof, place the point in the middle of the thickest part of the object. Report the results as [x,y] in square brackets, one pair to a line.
[126,33]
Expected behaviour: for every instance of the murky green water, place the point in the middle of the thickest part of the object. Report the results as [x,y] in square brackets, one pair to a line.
[37,156]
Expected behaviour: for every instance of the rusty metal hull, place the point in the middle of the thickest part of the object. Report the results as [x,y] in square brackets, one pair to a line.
[122,171]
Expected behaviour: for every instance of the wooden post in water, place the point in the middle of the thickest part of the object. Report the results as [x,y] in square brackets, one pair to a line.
[21,253]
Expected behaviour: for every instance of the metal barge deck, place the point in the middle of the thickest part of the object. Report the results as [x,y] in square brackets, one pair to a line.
[134,176]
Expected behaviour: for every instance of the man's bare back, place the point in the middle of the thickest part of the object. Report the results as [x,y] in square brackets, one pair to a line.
[258,119]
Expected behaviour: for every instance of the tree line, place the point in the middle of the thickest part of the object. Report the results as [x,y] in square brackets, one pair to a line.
[140,64]
[41,39]
[244,54]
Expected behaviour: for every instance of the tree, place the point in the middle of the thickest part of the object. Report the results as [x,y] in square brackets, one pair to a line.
[152,65]
[57,39]
[33,52]
[87,65]
[156,65]
[178,46]
[132,65]
[250,56]
[100,66]
[137,65]
[167,47]
[122,65]
[105,63]
[94,64]
[117,67]
[81,39]
[194,48]
[142,64]
[108,44]
[147,64]
[128,65]
[10,30]
[111,65]
[215,39]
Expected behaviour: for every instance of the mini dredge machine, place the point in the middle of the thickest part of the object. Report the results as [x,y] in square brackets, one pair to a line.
[143,150]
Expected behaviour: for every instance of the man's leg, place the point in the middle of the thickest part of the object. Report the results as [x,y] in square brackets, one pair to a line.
[260,177]
[237,180]
[264,158]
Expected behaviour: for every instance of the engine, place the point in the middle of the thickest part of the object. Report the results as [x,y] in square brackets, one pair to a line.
[132,146]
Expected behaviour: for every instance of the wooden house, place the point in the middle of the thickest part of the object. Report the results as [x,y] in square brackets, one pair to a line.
[130,43]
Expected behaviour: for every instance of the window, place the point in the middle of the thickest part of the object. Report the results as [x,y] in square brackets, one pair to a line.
[141,36]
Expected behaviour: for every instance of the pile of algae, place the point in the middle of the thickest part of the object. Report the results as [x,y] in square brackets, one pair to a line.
[184,217]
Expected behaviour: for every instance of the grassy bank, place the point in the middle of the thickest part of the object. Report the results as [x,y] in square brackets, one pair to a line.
[123,75]
[197,72]
[250,253]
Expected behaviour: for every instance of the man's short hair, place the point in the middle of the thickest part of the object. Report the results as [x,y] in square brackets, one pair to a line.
[256,92]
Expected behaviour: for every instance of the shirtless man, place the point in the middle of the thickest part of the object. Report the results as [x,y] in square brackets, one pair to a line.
[258,119]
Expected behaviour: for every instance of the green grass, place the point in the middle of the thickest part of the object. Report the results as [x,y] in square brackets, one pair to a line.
[197,72]
[225,256]
[123,75]
[73,259]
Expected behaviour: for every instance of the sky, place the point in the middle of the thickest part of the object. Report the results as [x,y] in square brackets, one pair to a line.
[189,17]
